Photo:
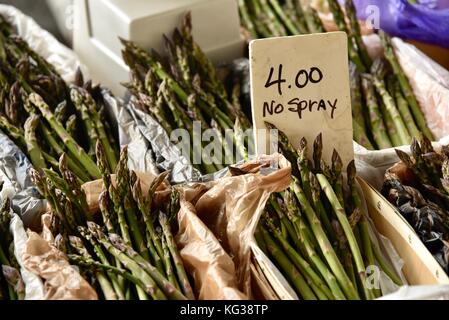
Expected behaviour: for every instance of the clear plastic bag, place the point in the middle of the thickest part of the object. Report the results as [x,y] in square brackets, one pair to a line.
[427,21]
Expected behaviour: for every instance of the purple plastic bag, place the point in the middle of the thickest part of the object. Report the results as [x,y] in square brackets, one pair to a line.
[427,21]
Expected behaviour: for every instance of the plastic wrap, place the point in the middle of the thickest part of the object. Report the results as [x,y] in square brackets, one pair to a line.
[388,251]
[140,157]
[426,21]
[18,187]
[420,293]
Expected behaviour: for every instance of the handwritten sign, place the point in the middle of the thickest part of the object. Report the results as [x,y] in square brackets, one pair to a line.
[301,85]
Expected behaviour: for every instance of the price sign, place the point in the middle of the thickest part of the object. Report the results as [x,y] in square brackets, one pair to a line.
[301,85]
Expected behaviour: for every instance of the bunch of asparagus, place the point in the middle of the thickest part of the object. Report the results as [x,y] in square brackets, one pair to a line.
[419,188]
[386,112]
[184,90]
[44,116]
[11,284]
[316,231]
[128,251]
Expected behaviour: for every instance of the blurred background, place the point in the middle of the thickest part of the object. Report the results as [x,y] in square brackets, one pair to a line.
[53,15]
[56,16]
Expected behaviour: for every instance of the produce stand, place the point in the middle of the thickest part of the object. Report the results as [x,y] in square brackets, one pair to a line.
[221,150]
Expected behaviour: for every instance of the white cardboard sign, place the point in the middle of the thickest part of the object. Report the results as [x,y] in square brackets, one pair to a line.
[301,85]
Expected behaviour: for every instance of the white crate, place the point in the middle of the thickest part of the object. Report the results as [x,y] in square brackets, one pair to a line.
[99,23]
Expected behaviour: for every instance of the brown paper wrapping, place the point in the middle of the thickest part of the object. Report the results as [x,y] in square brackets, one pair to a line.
[62,281]
[205,259]
[216,222]
[231,208]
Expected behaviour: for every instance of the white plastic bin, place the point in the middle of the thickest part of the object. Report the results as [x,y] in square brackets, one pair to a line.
[99,23]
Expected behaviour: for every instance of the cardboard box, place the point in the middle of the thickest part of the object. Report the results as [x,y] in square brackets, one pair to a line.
[420,268]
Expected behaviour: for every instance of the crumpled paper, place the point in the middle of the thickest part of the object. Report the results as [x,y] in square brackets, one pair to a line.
[93,189]
[14,167]
[440,292]
[34,287]
[216,220]
[61,280]
[205,259]
[148,140]
[231,208]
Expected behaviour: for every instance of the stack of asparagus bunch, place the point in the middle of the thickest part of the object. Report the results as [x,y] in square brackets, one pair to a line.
[316,231]
[184,90]
[386,112]
[11,284]
[128,251]
[419,188]
[44,116]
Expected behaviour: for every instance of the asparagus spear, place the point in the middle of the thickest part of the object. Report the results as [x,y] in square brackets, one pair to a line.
[360,136]
[273,23]
[405,111]
[106,286]
[100,129]
[75,150]
[90,263]
[124,190]
[180,271]
[291,27]
[356,99]
[130,264]
[54,144]
[86,118]
[167,288]
[377,124]
[405,85]
[16,134]
[301,264]
[351,12]
[293,274]
[313,20]
[320,265]
[37,159]
[378,71]
[246,19]
[260,20]
[326,247]
[339,19]
[339,211]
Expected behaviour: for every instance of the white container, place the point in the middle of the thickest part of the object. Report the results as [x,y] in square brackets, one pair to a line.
[99,23]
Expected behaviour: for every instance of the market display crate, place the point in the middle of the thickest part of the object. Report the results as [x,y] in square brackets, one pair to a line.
[420,268]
